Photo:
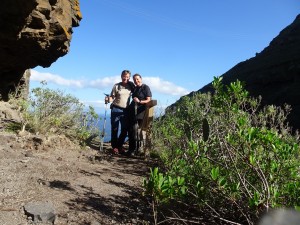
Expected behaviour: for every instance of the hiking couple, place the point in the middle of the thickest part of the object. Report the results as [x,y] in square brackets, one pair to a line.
[127,114]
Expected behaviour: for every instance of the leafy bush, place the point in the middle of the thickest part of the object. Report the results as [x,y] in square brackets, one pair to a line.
[248,164]
[52,111]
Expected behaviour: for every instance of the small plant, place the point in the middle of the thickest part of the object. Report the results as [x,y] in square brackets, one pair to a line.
[19,102]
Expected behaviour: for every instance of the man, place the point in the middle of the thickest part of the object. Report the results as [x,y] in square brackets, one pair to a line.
[120,98]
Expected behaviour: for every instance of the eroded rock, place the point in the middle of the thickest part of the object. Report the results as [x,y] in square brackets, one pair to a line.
[33,33]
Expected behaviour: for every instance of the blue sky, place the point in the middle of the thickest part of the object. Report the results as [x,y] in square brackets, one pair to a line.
[177,46]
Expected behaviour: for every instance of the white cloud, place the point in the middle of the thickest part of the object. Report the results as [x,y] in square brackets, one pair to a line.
[56,79]
[104,82]
[156,84]
[164,87]
[95,104]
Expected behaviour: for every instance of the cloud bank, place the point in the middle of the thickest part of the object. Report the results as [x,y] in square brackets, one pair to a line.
[156,84]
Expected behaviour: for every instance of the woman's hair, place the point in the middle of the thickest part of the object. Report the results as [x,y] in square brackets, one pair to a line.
[136,75]
[124,72]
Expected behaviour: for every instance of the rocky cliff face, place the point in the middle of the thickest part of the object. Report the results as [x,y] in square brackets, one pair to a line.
[33,33]
[273,73]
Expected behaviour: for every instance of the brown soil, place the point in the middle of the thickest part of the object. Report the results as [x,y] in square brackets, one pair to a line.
[85,186]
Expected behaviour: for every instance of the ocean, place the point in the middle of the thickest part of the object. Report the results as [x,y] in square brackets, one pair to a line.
[107,128]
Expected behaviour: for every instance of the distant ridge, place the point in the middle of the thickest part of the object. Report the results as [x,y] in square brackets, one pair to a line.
[273,73]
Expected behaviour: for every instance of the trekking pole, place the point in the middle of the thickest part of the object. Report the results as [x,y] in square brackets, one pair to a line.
[136,128]
[104,123]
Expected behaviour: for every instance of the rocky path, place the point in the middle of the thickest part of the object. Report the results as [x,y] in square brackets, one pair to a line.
[84,186]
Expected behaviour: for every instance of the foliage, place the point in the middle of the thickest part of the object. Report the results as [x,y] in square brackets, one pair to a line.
[248,164]
[52,111]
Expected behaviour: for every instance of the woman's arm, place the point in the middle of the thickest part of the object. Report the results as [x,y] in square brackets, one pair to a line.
[145,101]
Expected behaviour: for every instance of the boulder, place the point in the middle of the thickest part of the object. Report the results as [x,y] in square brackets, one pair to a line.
[40,212]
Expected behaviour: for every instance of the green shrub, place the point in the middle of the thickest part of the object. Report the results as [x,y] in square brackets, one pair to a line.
[52,111]
[233,157]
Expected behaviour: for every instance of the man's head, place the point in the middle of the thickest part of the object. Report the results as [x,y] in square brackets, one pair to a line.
[125,76]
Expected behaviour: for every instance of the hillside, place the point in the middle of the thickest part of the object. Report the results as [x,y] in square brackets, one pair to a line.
[273,73]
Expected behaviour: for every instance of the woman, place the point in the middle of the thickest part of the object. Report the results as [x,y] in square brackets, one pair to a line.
[120,98]
[140,97]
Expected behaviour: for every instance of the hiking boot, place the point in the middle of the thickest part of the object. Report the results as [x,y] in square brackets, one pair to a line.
[121,151]
[115,151]
[129,153]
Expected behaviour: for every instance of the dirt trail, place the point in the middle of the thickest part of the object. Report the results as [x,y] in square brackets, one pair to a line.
[85,186]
